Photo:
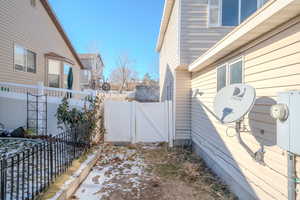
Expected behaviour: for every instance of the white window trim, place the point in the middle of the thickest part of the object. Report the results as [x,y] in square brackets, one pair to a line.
[227,65]
[27,49]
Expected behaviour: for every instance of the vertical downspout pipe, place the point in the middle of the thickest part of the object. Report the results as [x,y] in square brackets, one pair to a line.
[291,177]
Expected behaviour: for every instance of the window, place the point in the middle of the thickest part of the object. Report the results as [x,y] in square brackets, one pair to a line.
[54,67]
[60,74]
[236,72]
[231,12]
[221,77]
[248,7]
[214,12]
[230,73]
[31,62]
[24,59]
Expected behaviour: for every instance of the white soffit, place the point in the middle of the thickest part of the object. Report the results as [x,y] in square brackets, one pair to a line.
[271,15]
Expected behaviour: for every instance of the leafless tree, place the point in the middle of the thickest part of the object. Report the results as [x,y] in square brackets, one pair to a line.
[123,74]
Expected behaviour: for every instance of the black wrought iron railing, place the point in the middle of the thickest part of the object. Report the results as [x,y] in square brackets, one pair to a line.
[24,175]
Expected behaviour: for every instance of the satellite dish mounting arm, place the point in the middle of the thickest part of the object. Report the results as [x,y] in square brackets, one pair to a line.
[257,156]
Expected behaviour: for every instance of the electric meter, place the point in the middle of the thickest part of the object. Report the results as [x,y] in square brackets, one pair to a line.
[280,112]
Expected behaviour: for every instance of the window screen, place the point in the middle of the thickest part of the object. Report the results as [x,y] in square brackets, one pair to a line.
[236,72]
[221,77]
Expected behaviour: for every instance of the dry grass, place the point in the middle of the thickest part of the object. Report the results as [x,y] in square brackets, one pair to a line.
[172,174]
[181,165]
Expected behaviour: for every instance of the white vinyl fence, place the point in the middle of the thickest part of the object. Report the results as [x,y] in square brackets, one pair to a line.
[133,122]
[13,103]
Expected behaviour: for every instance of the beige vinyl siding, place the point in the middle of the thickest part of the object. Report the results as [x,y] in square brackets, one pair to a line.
[183,105]
[32,28]
[195,36]
[271,66]
[169,54]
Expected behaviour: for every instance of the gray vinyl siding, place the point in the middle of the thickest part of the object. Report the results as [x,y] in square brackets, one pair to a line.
[196,37]
[186,38]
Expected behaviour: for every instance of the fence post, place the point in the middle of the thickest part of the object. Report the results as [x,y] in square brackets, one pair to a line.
[40,88]
[133,123]
[74,141]
[171,123]
[3,178]
[51,159]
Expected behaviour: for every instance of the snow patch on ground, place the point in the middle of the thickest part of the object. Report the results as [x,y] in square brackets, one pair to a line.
[118,168]
[90,157]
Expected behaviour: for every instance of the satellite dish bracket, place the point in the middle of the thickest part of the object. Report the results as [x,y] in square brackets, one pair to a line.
[258,156]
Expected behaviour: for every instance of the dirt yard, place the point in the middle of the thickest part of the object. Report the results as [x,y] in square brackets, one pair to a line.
[151,172]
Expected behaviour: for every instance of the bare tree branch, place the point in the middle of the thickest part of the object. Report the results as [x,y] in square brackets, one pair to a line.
[123,74]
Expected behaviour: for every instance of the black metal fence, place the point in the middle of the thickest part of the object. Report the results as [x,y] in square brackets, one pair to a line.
[26,174]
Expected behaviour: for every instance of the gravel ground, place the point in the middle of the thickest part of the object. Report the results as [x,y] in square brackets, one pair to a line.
[150,172]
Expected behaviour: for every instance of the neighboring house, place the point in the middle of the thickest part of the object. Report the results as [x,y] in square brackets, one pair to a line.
[145,93]
[34,47]
[263,51]
[92,73]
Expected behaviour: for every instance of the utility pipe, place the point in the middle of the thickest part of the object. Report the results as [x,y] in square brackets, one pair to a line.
[291,176]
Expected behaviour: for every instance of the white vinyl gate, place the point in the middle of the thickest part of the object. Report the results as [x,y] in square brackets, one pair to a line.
[138,122]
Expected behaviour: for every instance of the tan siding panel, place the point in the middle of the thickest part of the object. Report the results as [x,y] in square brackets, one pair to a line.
[183,105]
[271,67]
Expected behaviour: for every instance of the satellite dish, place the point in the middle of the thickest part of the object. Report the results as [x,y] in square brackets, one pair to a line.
[233,102]
[106,86]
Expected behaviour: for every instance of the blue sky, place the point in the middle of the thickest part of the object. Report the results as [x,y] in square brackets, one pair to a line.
[114,27]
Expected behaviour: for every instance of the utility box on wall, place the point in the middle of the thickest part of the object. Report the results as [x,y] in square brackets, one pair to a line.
[287,112]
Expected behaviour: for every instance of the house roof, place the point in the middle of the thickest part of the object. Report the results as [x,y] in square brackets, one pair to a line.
[271,15]
[169,4]
[59,57]
[60,29]
[90,55]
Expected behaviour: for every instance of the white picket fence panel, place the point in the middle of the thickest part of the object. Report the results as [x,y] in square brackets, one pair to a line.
[133,122]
